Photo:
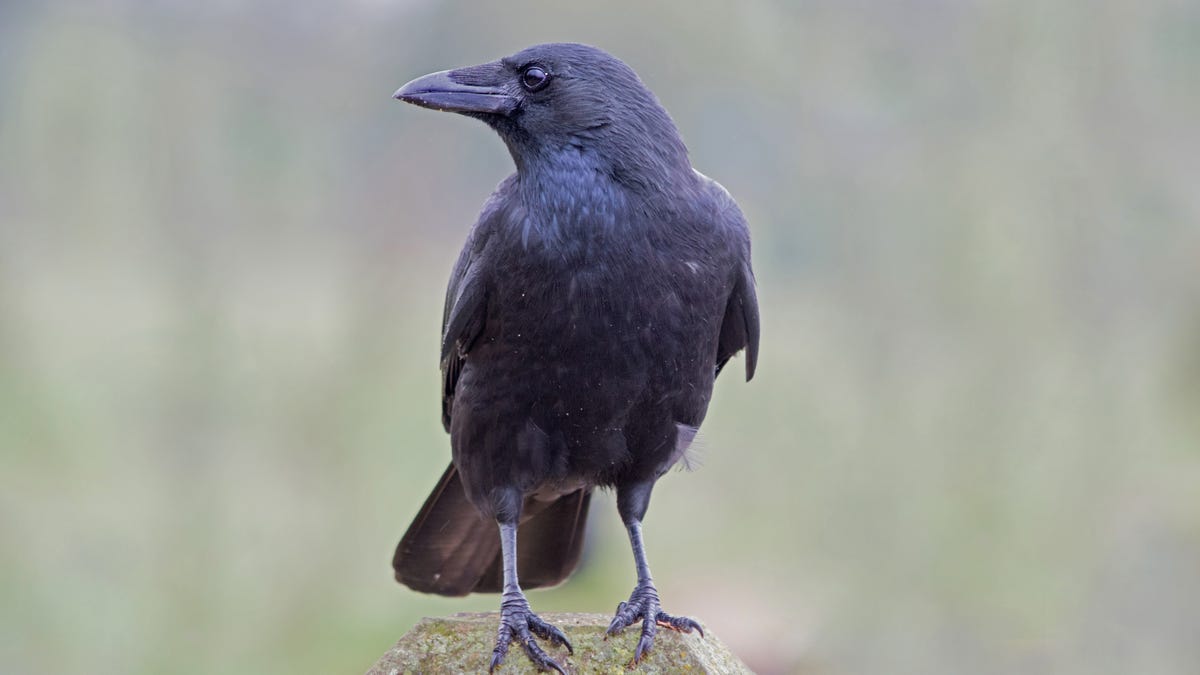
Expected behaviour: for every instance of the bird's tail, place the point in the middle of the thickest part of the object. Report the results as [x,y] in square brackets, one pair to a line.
[450,549]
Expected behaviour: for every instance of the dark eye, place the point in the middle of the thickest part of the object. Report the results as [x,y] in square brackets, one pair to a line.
[534,78]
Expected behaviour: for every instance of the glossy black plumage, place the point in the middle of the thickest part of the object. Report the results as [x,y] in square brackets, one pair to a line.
[602,289]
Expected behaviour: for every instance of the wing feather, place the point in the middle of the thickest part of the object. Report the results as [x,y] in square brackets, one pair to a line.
[740,324]
[465,311]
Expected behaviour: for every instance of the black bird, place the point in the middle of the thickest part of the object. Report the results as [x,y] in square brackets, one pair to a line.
[601,291]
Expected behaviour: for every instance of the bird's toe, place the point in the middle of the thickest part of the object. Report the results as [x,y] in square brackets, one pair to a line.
[625,615]
[646,641]
[519,624]
[682,624]
[643,605]
[548,631]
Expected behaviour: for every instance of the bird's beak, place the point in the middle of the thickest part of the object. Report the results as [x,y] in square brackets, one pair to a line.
[461,91]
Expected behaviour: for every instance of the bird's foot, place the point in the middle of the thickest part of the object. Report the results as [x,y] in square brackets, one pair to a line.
[518,623]
[644,606]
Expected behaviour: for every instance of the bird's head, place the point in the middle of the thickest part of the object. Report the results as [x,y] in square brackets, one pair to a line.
[555,98]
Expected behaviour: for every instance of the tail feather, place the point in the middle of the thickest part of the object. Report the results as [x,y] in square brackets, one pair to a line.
[441,549]
[549,543]
[450,549]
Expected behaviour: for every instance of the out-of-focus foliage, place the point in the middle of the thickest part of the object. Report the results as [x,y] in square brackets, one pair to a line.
[972,446]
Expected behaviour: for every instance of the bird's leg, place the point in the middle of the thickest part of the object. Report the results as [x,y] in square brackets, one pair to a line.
[517,621]
[643,603]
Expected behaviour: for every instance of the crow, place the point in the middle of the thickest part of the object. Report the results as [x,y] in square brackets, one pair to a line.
[603,287]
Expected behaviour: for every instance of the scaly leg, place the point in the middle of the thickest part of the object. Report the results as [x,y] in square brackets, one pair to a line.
[643,604]
[517,621]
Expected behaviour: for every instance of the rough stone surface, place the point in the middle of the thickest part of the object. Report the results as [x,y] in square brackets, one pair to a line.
[463,644]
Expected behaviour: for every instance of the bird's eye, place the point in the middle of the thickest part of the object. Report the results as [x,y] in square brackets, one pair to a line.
[534,78]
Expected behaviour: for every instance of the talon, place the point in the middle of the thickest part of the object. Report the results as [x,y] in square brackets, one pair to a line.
[644,644]
[616,625]
[681,624]
[501,649]
[550,632]
[643,605]
[519,624]
[539,658]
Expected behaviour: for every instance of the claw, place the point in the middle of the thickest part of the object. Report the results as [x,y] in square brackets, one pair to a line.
[549,632]
[644,605]
[614,626]
[503,637]
[649,629]
[625,616]
[540,658]
[519,624]
[682,624]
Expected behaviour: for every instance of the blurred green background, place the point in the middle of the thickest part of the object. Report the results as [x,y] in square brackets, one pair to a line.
[973,445]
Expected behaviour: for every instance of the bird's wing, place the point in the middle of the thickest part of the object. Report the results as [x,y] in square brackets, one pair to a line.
[739,326]
[465,311]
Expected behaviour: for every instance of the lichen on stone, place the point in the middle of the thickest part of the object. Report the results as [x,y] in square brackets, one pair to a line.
[463,643]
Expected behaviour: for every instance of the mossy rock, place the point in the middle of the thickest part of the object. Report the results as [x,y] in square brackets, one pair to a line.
[463,644]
